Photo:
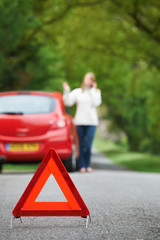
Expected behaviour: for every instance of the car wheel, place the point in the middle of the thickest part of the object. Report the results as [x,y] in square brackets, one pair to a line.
[77,165]
[68,163]
[0,167]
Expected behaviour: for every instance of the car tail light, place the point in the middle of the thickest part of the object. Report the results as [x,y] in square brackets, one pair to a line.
[61,123]
[58,124]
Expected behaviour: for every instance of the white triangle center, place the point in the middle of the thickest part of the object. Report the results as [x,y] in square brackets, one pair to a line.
[51,192]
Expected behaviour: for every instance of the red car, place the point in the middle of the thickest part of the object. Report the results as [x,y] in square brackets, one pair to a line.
[33,122]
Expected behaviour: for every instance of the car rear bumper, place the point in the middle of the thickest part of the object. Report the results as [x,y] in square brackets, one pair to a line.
[59,140]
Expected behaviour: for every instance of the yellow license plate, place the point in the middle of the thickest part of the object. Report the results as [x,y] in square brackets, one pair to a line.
[22,147]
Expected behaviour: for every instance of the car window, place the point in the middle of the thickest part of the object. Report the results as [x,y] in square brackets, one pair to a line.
[27,104]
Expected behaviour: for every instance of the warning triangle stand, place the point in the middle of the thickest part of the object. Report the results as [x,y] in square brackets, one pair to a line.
[27,205]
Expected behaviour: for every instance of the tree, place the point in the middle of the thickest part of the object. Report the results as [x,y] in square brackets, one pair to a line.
[26,28]
[45,42]
[125,57]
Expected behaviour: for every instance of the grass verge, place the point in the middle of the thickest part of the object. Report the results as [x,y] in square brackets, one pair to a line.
[142,162]
[29,167]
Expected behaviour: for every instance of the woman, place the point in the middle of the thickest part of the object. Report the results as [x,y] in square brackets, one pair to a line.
[87,98]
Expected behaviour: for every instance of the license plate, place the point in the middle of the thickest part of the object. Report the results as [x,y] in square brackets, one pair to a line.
[22,147]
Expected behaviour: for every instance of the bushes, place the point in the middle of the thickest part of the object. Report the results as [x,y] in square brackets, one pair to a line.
[132,105]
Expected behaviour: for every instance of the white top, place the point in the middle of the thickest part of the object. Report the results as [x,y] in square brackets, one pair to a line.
[86,101]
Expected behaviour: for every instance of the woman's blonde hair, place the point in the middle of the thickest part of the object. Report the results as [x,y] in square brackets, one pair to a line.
[92,76]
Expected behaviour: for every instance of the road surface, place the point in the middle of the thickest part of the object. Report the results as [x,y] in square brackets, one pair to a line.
[124,206]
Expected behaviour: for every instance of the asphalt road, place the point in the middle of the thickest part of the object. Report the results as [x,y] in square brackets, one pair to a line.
[124,206]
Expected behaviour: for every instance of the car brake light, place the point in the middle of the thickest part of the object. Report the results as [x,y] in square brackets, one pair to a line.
[61,123]
[58,124]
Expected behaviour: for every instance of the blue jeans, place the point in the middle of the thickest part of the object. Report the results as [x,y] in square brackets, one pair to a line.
[85,135]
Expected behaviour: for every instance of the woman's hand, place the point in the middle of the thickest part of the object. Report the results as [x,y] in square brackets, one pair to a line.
[94,85]
[66,86]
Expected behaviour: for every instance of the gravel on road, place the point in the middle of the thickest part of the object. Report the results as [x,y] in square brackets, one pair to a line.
[124,206]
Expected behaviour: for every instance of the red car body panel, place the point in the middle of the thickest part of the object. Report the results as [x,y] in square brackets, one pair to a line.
[42,129]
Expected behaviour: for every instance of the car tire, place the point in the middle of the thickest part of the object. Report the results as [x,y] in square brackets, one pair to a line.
[77,165]
[0,167]
[68,163]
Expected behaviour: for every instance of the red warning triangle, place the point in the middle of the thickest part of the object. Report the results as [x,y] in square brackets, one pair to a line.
[27,205]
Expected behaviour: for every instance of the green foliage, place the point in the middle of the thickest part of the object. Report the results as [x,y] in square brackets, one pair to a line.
[44,43]
[118,45]
[47,70]
[28,58]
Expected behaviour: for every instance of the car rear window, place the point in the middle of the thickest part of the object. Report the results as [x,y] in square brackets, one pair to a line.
[27,104]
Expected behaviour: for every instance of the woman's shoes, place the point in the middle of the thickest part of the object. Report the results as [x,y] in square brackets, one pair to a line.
[83,170]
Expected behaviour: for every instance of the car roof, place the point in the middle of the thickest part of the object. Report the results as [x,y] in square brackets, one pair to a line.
[41,93]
